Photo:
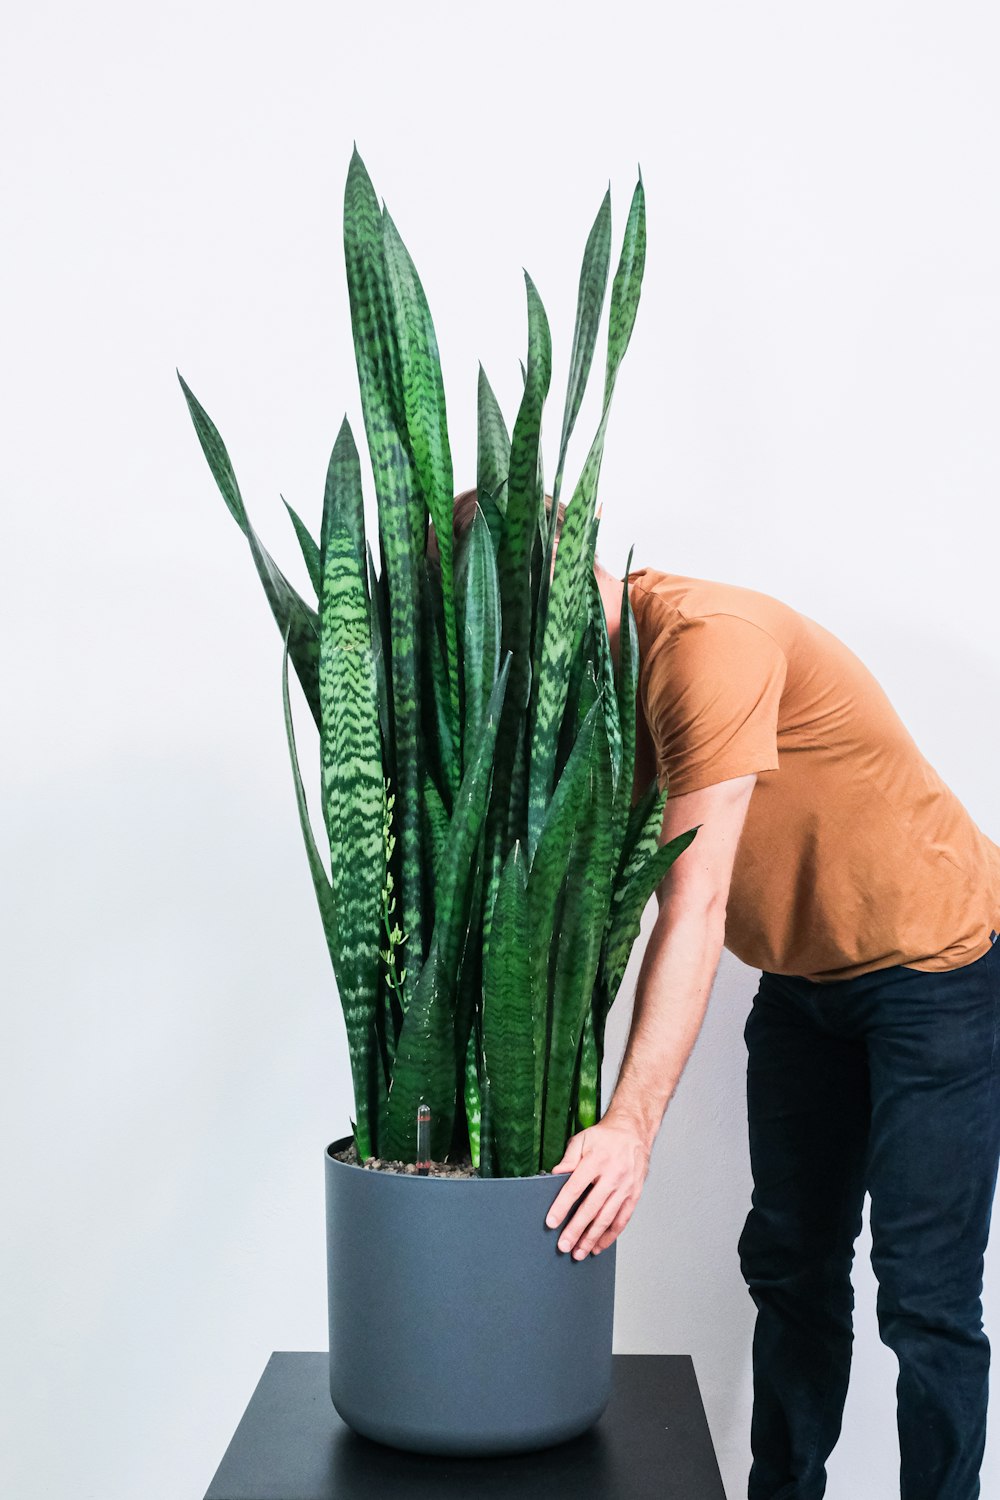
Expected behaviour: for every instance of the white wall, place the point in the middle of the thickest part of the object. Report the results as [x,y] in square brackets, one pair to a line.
[808,407]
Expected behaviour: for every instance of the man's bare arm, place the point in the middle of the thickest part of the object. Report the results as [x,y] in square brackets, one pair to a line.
[674,983]
[671,996]
[682,956]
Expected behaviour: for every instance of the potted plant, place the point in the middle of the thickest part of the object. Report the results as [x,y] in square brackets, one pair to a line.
[488,866]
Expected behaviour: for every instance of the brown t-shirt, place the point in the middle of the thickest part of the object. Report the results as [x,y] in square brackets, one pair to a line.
[854,854]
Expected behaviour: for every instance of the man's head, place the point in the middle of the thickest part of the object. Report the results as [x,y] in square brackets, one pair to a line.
[463,515]
[464,512]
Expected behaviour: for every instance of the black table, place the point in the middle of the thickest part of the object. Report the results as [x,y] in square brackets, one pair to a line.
[652,1443]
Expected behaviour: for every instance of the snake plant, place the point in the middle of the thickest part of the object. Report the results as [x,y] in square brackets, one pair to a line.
[487,867]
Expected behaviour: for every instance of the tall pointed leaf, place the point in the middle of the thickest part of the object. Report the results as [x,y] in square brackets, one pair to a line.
[308,547]
[524,502]
[626,689]
[575,551]
[447,730]
[402,516]
[293,616]
[353,792]
[321,881]
[588,1083]
[343,497]
[454,888]
[606,680]
[424,1071]
[508,1023]
[427,426]
[588,892]
[589,305]
[478,610]
[492,458]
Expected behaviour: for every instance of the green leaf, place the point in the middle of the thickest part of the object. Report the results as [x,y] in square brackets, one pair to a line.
[440,744]
[436,825]
[454,888]
[492,459]
[370,1082]
[524,504]
[478,610]
[353,791]
[589,305]
[321,881]
[575,553]
[423,1070]
[380,638]
[588,1086]
[402,520]
[473,1106]
[606,681]
[508,1023]
[587,895]
[293,616]
[625,290]
[308,548]
[626,690]
[468,1003]
[343,497]
[427,425]
[487,1134]
[567,598]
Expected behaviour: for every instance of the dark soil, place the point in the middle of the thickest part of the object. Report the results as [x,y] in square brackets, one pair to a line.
[462,1168]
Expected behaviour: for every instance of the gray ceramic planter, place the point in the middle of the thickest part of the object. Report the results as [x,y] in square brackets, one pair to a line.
[456,1325]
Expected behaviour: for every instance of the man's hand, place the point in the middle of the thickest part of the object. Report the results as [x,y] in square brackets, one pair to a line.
[613,1157]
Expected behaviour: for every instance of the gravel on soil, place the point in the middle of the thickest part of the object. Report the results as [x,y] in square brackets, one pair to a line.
[462,1168]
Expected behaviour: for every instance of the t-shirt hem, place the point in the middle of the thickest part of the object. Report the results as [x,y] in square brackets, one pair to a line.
[931,968]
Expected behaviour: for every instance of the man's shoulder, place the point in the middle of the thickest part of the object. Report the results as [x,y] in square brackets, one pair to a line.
[670,603]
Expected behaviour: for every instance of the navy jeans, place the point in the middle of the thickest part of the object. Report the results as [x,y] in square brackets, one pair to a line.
[887,1082]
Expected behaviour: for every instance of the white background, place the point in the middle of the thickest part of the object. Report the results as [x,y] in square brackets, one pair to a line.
[808,407]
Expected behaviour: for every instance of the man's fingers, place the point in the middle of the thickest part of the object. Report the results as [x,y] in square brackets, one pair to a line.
[581,1176]
[572,1189]
[601,1221]
[592,1206]
[615,1228]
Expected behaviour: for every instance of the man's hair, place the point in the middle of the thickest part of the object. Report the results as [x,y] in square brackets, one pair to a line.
[464,512]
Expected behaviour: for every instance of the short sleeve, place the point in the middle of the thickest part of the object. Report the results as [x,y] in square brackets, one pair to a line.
[710,694]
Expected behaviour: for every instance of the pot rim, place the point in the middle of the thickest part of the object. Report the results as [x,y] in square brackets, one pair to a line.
[351,1166]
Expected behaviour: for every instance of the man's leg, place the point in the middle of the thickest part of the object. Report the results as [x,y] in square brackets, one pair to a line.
[808,1109]
[935,1140]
